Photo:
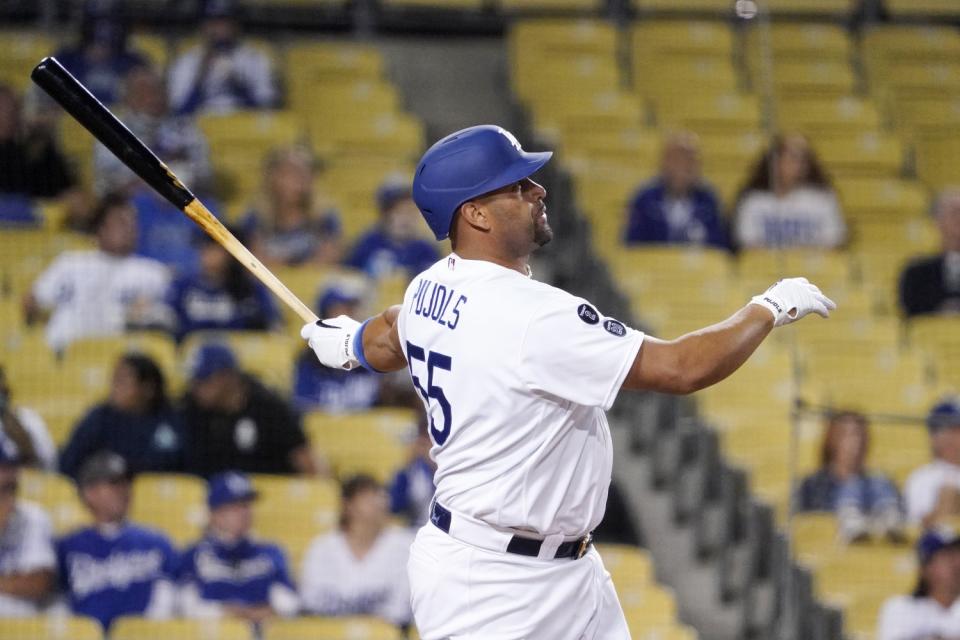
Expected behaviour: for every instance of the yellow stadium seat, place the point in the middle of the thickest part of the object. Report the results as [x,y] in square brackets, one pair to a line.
[352,628]
[648,606]
[155,47]
[938,161]
[925,8]
[924,115]
[291,512]
[827,116]
[244,131]
[174,504]
[843,577]
[817,78]
[268,356]
[359,97]
[537,80]
[373,442]
[882,197]
[898,449]
[629,567]
[799,41]
[574,36]
[921,78]
[641,631]
[861,155]
[719,151]
[58,495]
[551,5]
[131,628]
[814,535]
[919,42]
[399,136]
[100,355]
[22,50]
[655,76]
[52,627]
[714,6]
[806,7]
[434,4]
[862,613]
[934,331]
[728,112]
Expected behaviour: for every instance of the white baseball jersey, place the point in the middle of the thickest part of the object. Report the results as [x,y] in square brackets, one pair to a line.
[90,293]
[26,545]
[909,618]
[336,583]
[923,486]
[516,376]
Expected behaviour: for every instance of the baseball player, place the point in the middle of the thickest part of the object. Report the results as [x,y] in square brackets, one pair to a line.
[516,376]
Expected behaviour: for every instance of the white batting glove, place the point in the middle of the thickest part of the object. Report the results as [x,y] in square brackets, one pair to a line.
[332,340]
[792,298]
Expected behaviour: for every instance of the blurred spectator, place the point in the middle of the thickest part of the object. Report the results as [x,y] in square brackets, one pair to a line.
[316,387]
[861,500]
[788,201]
[25,430]
[362,568]
[237,423]
[114,568]
[223,295]
[932,612]
[288,225]
[394,244]
[412,488]
[932,285]
[933,490]
[27,559]
[137,422]
[102,57]
[103,291]
[31,165]
[222,73]
[677,206]
[175,139]
[229,573]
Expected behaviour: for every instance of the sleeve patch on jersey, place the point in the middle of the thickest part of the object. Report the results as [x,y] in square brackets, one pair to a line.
[588,314]
[615,327]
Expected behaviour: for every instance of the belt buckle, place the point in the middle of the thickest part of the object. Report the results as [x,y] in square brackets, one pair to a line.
[584,545]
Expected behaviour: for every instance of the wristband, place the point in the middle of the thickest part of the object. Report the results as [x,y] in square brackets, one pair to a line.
[358,348]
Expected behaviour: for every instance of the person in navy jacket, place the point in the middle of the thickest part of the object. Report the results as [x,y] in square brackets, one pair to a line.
[677,206]
[114,568]
[229,573]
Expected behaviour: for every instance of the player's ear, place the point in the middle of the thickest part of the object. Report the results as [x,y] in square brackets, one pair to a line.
[476,215]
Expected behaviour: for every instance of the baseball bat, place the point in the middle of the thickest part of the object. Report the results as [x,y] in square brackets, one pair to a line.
[76,100]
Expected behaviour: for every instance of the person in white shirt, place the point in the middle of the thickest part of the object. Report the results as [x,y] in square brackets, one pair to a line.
[104,291]
[933,491]
[27,558]
[788,201]
[221,74]
[361,569]
[932,612]
[25,430]
[516,377]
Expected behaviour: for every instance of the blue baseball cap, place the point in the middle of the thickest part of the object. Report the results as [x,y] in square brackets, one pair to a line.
[212,358]
[229,486]
[945,414]
[934,541]
[334,295]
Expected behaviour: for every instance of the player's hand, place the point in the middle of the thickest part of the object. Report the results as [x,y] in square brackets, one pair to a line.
[332,340]
[792,298]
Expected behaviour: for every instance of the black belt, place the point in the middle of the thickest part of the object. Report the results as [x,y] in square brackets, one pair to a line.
[441,517]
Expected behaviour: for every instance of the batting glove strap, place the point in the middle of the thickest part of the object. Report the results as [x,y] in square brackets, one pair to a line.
[791,299]
[332,340]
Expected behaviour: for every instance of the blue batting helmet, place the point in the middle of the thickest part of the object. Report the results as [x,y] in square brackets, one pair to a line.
[467,164]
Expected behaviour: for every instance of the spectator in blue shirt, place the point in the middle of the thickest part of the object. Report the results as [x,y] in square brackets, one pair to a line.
[102,56]
[412,488]
[677,206]
[317,387]
[864,502]
[137,422]
[228,573]
[394,244]
[114,568]
[290,224]
[223,295]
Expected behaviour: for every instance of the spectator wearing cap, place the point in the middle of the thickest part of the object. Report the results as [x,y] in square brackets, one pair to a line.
[394,244]
[137,421]
[222,73]
[25,430]
[932,612]
[289,223]
[933,491]
[101,292]
[361,569]
[27,559]
[222,295]
[102,56]
[677,206]
[412,488]
[864,502]
[931,285]
[114,568]
[228,573]
[320,388]
[236,423]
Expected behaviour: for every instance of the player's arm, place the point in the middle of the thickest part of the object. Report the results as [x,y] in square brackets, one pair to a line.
[344,343]
[702,358]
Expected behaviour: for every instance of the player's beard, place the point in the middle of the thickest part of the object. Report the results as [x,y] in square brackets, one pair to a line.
[542,233]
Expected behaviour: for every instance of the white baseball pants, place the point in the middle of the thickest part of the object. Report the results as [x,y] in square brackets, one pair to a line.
[463,592]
